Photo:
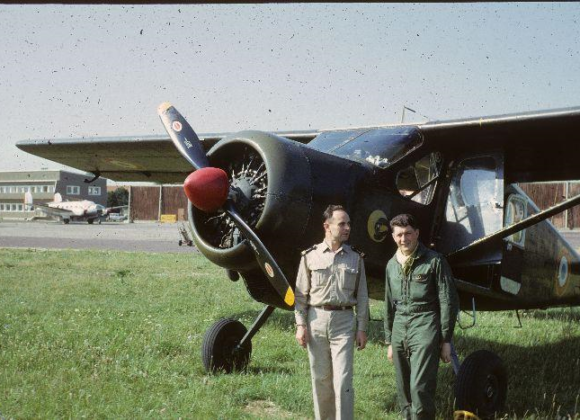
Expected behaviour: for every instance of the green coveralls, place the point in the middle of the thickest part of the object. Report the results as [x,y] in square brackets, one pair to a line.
[420,314]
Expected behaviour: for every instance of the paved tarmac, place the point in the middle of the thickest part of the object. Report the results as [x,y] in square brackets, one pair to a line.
[144,236]
[140,236]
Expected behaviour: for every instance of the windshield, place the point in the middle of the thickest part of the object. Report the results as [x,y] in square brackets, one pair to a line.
[379,146]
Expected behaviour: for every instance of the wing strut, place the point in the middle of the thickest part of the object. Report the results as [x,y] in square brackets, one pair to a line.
[496,237]
[96,174]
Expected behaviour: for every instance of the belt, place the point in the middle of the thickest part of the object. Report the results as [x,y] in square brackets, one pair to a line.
[415,309]
[335,308]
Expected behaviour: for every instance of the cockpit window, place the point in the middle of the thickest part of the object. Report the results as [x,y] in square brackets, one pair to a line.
[516,212]
[380,146]
[417,182]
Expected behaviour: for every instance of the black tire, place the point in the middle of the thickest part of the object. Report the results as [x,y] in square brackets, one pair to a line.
[481,384]
[66,221]
[91,221]
[220,351]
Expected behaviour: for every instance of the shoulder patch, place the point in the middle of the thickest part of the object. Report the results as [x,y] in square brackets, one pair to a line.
[358,251]
[306,251]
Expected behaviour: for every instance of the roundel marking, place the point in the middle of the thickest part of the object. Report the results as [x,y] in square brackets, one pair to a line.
[269,270]
[378,226]
[563,273]
[176,125]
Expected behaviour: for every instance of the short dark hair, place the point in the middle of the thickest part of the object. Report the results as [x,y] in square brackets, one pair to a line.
[327,215]
[403,220]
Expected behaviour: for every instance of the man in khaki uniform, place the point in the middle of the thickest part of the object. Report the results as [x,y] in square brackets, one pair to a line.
[331,282]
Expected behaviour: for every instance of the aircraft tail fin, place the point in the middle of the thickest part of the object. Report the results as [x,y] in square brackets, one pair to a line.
[28,200]
[57,198]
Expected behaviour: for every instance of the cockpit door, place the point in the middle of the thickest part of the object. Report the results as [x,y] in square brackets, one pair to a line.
[474,210]
[475,201]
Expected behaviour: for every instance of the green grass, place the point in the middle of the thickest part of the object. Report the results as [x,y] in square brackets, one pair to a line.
[96,334]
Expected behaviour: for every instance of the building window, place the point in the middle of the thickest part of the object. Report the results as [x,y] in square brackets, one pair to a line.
[1,207]
[51,188]
[94,190]
[20,208]
[73,189]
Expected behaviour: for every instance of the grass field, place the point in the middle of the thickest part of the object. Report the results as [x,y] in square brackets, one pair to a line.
[97,334]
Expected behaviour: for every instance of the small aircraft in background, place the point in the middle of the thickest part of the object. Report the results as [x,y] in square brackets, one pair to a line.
[67,211]
[256,199]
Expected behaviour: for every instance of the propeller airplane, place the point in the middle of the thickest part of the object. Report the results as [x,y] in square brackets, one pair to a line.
[247,190]
[65,211]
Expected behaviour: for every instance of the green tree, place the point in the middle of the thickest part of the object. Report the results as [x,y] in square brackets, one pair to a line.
[119,197]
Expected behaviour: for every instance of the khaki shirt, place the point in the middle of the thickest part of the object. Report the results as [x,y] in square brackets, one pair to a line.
[332,278]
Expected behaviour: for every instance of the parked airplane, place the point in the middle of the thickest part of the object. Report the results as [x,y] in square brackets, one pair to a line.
[256,197]
[65,211]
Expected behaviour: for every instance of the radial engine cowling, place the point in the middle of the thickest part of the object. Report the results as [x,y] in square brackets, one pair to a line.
[271,180]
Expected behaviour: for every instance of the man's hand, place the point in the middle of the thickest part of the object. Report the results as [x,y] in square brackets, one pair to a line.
[302,335]
[446,352]
[390,353]
[361,340]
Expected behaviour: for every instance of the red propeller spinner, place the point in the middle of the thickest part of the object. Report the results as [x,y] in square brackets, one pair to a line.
[207,188]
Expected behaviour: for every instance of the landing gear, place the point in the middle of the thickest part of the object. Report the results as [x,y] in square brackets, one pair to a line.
[66,221]
[481,384]
[91,221]
[227,345]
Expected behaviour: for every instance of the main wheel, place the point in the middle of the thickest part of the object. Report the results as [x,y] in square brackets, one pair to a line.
[481,384]
[91,221]
[220,349]
[66,221]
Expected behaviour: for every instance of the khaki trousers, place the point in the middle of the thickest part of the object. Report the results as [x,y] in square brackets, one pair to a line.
[330,350]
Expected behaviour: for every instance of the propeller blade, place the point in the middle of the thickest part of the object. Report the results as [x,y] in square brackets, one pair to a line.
[212,196]
[182,135]
[267,263]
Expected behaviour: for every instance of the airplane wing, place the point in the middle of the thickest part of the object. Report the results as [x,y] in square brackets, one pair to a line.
[52,211]
[538,146]
[143,158]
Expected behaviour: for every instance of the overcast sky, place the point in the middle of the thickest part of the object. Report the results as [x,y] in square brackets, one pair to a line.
[101,70]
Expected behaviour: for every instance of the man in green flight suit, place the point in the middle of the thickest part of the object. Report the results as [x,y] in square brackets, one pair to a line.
[421,305]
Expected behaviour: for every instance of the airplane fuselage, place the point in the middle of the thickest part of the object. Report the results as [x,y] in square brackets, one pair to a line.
[457,196]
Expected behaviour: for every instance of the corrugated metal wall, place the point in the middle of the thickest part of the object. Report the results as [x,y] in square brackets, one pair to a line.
[174,201]
[144,203]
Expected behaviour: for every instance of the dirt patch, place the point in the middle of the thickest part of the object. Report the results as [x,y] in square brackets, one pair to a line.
[267,409]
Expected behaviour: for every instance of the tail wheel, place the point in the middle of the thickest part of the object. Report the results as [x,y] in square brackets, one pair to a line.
[221,351]
[481,384]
